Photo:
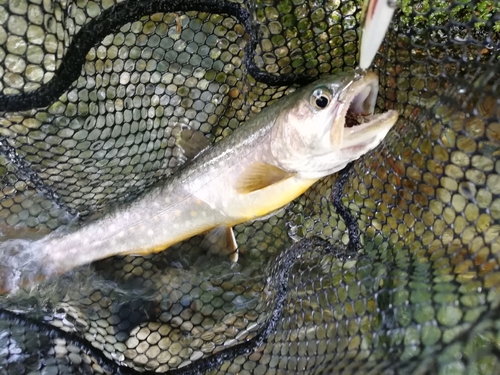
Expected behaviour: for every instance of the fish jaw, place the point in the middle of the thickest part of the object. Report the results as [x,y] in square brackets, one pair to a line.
[359,100]
[362,138]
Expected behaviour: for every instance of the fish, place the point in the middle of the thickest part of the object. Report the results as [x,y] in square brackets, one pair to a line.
[261,167]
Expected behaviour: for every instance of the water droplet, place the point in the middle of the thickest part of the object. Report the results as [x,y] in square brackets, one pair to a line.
[467,189]
[216,99]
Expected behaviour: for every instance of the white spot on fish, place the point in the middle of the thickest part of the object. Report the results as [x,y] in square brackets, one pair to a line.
[151,232]
[176,226]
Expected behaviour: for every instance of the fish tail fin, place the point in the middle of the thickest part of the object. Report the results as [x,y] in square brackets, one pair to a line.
[21,265]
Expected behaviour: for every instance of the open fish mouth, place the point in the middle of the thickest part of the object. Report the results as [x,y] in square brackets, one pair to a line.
[362,106]
[361,126]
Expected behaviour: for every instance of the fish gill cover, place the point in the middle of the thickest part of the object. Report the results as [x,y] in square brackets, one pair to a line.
[90,93]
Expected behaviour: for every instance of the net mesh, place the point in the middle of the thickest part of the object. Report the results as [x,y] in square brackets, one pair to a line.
[90,94]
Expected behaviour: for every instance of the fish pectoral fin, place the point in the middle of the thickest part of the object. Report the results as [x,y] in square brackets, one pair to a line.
[191,142]
[221,241]
[259,176]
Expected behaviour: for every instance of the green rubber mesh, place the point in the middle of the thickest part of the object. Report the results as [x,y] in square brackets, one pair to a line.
[420,296]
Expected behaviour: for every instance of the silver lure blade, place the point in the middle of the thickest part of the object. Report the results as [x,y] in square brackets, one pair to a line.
[375,20]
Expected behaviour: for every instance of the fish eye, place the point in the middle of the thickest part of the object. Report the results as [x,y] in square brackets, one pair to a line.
[320,98]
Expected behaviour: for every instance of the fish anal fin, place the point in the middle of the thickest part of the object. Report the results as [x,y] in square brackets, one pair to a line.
[258,176]
[221,241]
[191,142]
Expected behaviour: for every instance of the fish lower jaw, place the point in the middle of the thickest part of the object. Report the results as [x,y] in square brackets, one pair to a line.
[375,129]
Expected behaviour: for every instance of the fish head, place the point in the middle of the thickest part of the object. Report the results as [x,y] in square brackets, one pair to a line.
[329,123]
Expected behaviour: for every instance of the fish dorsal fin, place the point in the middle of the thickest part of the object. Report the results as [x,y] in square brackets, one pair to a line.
[190,141]
[221,240]
[258,176]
